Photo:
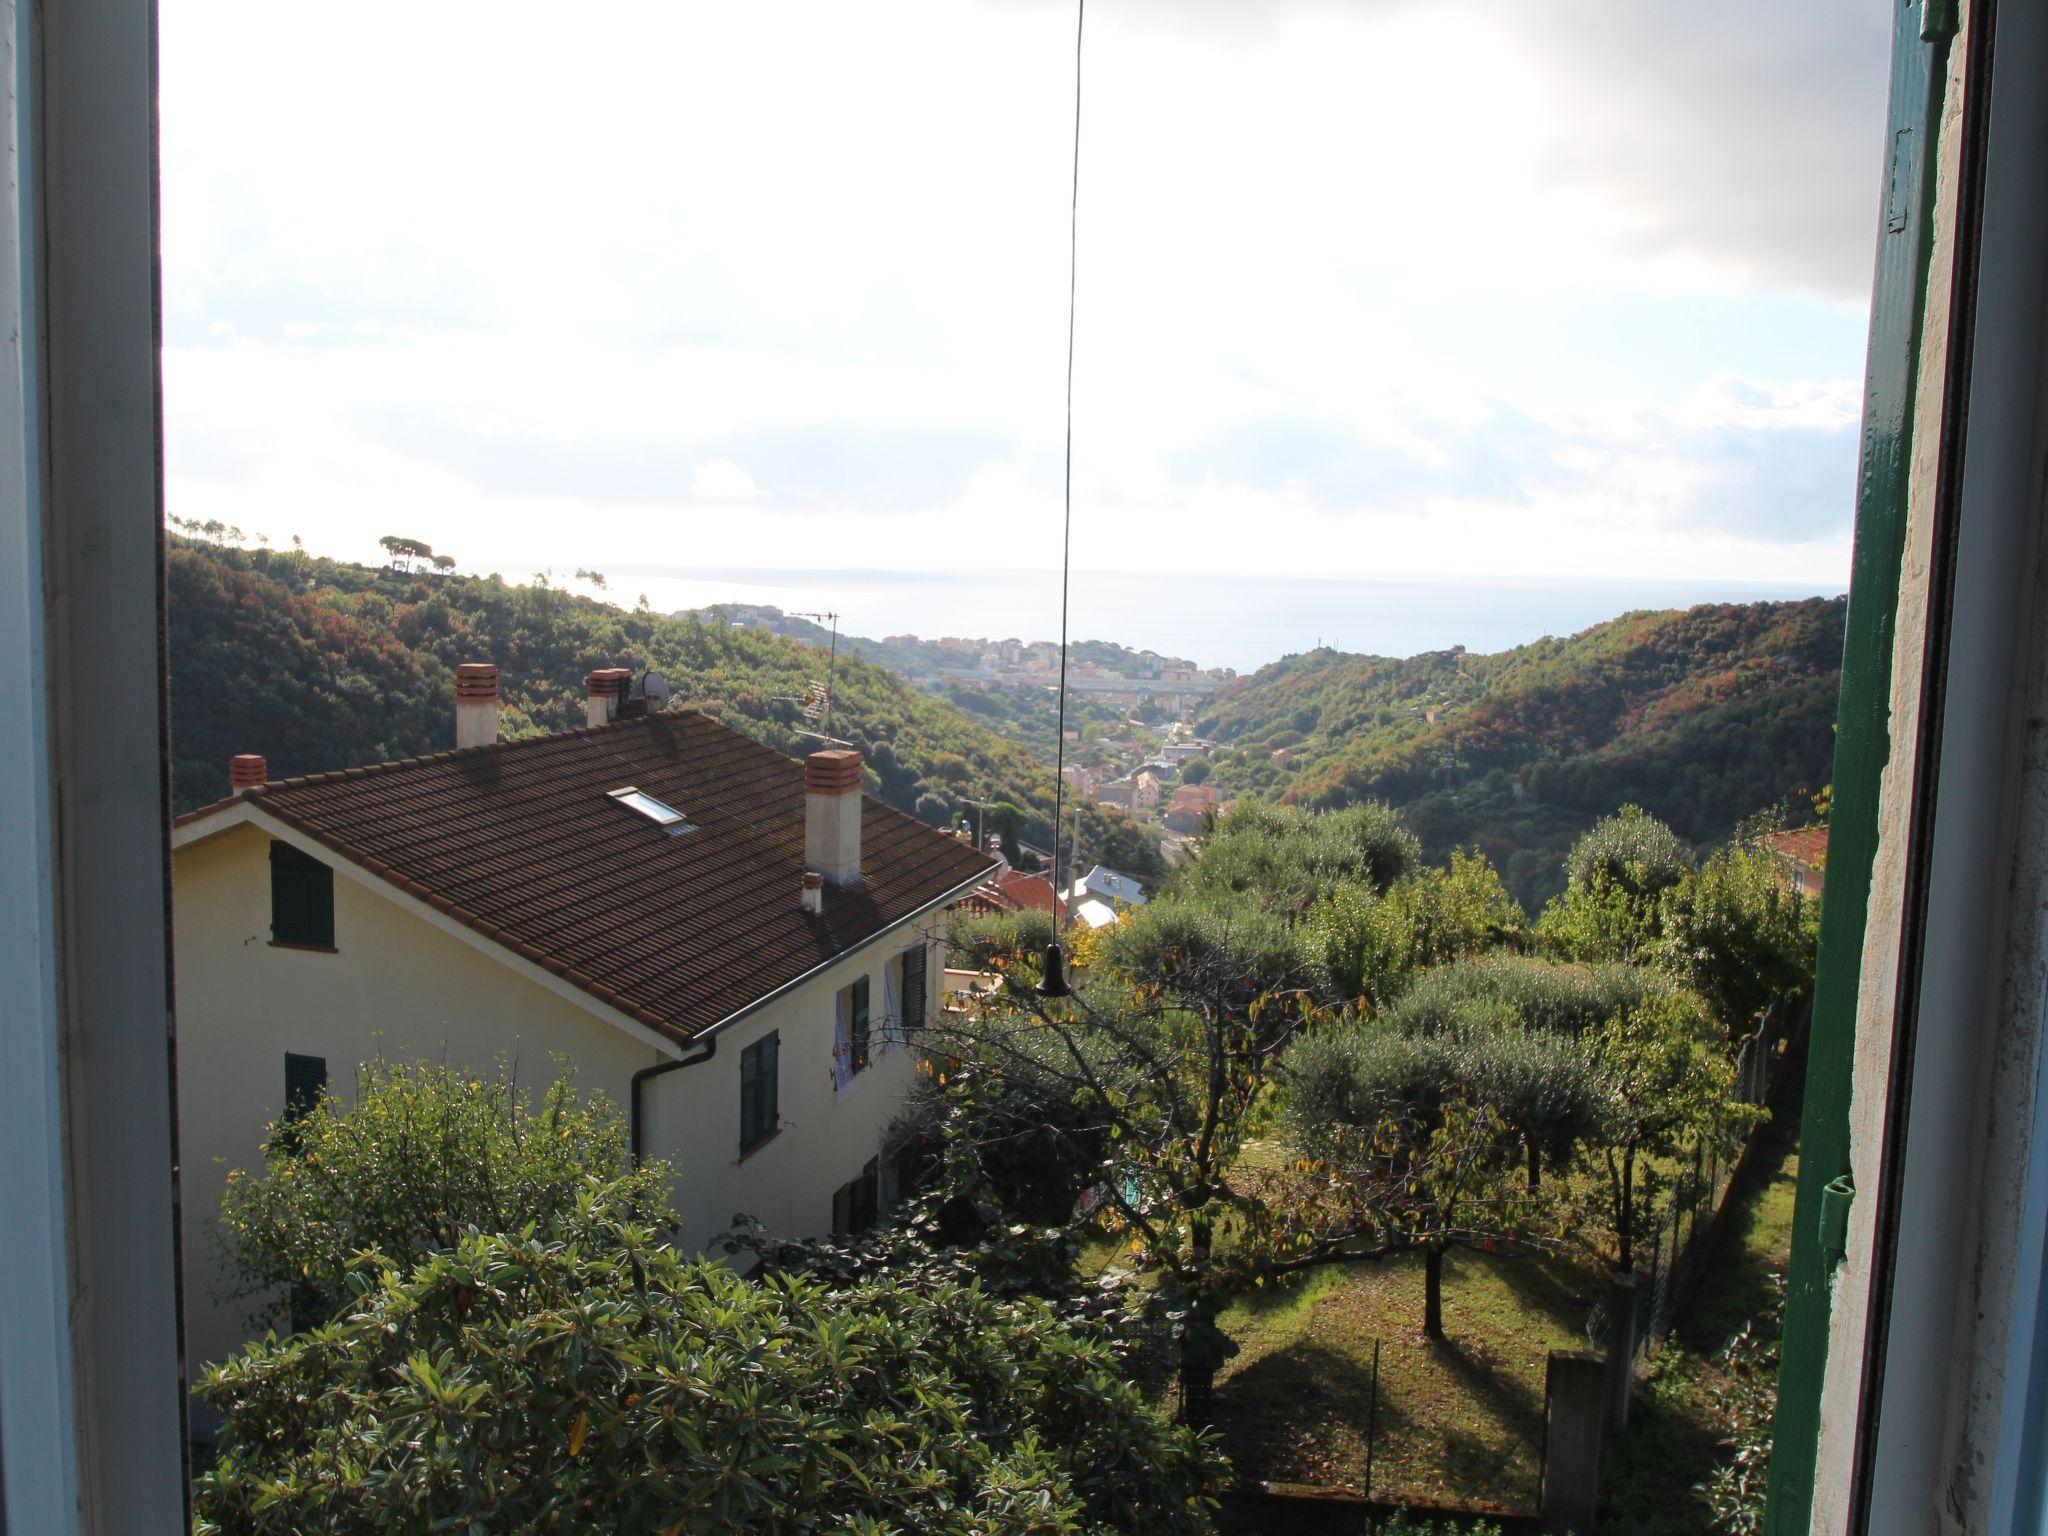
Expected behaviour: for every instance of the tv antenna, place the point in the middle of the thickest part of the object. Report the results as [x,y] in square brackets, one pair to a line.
[815,703]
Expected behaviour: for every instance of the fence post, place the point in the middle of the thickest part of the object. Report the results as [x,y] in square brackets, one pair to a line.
[1573,1391]
[1624,1297]
[1372,1417]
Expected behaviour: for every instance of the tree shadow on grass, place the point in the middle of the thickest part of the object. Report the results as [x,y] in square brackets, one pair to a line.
[1287,1415]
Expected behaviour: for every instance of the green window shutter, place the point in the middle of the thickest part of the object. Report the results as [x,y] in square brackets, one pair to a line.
[750,1100]
[771,1094]
[758,1099]
[913,987]
[301,899]
[305,1079]
[858,1023]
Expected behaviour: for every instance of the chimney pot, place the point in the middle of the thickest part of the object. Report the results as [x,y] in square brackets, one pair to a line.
[247,771]
[813,897]
[832,808]
[476,704]
[605,691]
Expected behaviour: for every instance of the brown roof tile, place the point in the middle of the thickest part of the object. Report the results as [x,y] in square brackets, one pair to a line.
[521,842]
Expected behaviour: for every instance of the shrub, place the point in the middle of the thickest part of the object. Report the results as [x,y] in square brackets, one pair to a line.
[1370,945]
[517,1384]
[423,1155]
[1289,857]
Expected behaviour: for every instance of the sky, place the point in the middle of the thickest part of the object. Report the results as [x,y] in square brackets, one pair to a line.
[1468,289]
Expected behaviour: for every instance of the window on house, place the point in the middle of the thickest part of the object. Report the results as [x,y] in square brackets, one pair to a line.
[857,1204]
[760,1110]
[305,1079]
[301,899]
[913,987]
[857,1022]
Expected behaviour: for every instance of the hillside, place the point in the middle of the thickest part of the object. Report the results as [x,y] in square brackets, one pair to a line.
[1703,716]
[318,665]
[1026,715]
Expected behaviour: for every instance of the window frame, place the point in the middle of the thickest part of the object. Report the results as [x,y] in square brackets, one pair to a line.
[860,1023]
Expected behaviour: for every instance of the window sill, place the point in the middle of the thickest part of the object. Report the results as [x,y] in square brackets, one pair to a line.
[748,1151]
[309,949]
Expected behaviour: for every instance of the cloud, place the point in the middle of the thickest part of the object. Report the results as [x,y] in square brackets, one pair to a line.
[722,480]
[1364,287]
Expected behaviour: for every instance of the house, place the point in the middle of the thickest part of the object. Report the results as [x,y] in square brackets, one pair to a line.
[1095,914]
[1011,890]
[1198,798]
[1804,851]
[1116,792]
[1145,790]
[1106,884]
[730,944]
[1182,751]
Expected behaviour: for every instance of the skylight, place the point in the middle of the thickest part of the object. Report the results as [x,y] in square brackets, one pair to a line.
[667,818]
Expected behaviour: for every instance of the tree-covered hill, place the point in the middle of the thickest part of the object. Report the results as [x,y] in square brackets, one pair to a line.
[318,665]
[1702,716]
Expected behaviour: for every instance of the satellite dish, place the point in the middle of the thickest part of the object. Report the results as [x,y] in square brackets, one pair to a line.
[654,689]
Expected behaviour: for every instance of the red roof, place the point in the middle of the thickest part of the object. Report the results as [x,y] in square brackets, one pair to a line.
[521,842]
[1807,845]
[1030,893]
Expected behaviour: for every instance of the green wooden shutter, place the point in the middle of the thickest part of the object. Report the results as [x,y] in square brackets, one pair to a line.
[750,1096]
[305,1079]
[913,987]
[771,1087]
[857,1034]
[301,899]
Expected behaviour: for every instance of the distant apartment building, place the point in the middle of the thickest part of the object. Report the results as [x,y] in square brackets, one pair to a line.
[733,946]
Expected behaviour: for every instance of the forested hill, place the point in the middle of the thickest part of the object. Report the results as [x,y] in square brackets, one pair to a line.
[318,665]
[1702,716]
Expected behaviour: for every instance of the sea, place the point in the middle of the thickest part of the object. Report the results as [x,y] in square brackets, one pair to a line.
[1213,620]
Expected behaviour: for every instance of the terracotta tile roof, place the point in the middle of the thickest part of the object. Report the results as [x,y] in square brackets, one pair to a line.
[1029,893]
[1807,845]
[521,842]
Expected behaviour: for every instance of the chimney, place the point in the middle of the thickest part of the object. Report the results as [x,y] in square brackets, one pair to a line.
[832,815]
[813,899]
[476,704]
[246,771]
[605,690]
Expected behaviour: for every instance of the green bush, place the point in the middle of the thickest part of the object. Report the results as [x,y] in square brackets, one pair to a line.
[423,1155]
[1534,994]
[1290,857]
[513,1384]
[1371,945]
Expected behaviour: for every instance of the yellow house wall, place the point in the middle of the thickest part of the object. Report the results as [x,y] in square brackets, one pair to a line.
[400,987]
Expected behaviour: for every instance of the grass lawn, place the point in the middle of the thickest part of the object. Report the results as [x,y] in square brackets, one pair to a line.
[1675,1429]
[1459,1422]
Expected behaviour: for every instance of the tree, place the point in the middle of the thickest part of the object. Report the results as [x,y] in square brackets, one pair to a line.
[424,1154]
[1195,770]
[1615,880]
[517,1383]
[1670,1086]
[1738,933]
[445,564]
[1363,1095]
[405,555]
[1135,1098]
[1372,944]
